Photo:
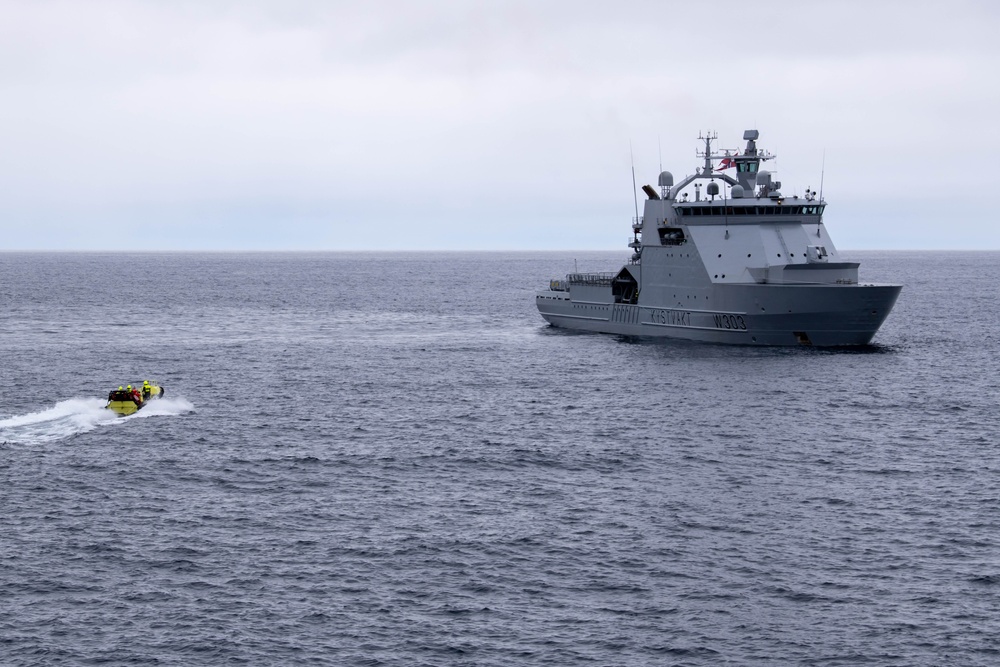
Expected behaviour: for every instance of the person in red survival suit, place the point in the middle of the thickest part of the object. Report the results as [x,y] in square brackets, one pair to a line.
[136,396]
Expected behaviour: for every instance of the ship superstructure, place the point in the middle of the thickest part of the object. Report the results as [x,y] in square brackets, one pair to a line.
[738,262]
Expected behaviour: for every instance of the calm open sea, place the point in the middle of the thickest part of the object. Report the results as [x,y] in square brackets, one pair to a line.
[390,459]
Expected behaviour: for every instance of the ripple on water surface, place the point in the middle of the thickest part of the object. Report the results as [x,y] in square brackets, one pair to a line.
[360,463]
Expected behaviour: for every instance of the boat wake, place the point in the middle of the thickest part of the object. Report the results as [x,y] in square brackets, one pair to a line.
[78,415]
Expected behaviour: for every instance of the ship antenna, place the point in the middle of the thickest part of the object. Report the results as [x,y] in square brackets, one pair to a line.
[635,195]
[822,175]
[725,206]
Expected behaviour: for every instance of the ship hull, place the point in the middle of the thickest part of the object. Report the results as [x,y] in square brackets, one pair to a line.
[737,314]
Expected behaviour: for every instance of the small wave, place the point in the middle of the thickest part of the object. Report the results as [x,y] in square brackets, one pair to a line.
[163,407]
[78,415]
[65,418]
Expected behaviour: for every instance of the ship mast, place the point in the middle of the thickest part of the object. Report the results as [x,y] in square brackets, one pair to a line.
[707,138]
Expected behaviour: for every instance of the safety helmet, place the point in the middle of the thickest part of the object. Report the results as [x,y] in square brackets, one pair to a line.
[145,383]
[120,387]
[129,387]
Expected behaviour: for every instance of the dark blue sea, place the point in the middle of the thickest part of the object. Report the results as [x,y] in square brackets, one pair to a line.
[390,459]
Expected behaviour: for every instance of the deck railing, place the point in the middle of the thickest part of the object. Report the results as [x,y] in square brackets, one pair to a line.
[602,278]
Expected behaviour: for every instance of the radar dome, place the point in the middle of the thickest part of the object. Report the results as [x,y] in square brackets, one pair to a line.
[666,179]
[737,192]
[713,188]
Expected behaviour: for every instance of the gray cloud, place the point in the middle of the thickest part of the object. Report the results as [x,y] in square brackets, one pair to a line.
[474,125]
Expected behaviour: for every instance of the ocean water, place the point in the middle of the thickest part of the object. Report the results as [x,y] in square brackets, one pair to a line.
[390,459]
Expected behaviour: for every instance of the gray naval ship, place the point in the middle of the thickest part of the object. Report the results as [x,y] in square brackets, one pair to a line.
[740,263]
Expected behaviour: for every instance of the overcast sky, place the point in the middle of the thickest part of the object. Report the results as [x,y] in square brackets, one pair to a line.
[284,125]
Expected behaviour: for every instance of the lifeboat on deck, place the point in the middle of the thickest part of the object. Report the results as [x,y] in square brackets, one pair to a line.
[125,402]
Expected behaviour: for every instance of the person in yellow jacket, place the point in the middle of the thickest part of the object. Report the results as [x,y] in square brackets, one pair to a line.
[146,390]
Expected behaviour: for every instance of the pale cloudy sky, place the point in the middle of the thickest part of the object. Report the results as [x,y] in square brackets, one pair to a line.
[453,124]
